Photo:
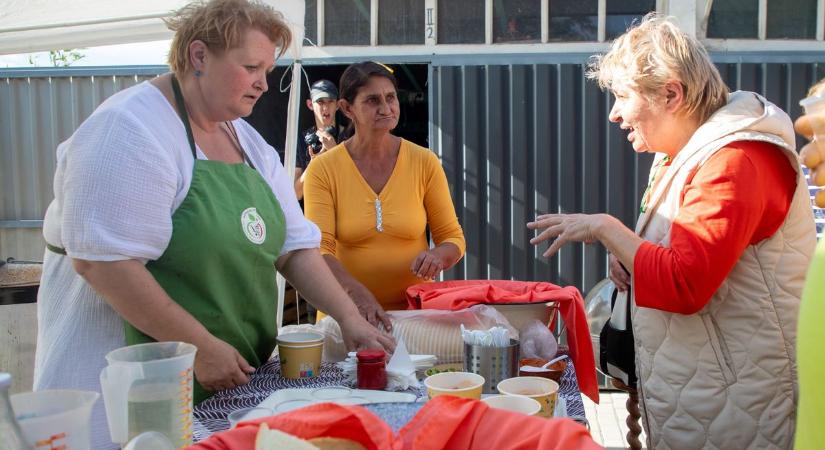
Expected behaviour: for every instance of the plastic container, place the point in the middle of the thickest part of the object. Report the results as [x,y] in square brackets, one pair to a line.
[11,436]
[300,354]
[55,418]
[148,387]
[372,369]
[150,440]
[492,363]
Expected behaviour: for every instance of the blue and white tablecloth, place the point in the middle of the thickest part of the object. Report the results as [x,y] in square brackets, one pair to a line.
[211,415]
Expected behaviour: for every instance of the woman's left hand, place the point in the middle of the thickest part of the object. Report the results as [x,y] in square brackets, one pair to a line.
[565,228]
[360,334]
[428,264]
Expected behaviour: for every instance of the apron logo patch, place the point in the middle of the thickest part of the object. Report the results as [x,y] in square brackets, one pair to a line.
[253,226]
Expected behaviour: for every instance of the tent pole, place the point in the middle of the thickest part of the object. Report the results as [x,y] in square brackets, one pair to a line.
[290,152]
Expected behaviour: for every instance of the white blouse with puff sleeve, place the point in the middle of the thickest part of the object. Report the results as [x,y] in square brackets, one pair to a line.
[119,179]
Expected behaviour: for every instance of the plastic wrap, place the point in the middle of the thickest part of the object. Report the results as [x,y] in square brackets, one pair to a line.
[425,331]
[438,332]
[537,341]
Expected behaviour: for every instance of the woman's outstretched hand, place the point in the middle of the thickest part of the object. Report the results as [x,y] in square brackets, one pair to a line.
[564,228]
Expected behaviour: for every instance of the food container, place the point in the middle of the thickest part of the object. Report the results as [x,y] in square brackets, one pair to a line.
[553,372]
[300,354]
[372,369]
[492,363]
[459,384]
[543,390]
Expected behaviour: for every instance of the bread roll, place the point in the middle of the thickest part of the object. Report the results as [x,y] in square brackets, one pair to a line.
[267,439]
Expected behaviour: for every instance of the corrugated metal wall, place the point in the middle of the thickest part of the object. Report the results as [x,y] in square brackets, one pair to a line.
[516,140]
[38,110]
[520,140]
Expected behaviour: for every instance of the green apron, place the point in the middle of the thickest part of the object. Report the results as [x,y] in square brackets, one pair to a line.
[220,263]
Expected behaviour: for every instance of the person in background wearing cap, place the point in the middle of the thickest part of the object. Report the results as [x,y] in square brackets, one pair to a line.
[323,103]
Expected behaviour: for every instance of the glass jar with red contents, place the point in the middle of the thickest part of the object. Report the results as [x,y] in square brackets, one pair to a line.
[372,369]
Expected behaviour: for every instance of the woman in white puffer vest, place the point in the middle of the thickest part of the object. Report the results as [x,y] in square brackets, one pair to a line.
[718,257]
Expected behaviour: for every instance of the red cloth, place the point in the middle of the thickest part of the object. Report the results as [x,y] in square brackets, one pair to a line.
[460,294]
[739,197]
[321,420]
[445,422]
[453,423]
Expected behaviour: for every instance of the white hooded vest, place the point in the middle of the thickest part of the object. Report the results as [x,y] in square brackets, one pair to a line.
[725,377]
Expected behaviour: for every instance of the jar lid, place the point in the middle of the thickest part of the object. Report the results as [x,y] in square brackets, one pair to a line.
[371,355]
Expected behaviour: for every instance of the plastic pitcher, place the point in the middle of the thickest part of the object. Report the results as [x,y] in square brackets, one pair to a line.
[55,418]
[148,387]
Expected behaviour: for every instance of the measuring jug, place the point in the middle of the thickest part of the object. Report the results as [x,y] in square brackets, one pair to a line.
[55,418]
[148,387]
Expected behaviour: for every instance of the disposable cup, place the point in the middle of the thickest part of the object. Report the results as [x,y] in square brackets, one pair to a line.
[516,403]
[543,390]
[300,354]
[459,384]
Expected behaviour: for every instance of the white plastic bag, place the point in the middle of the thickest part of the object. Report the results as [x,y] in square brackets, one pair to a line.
[537,341]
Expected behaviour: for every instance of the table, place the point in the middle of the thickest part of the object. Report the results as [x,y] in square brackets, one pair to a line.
[210,415]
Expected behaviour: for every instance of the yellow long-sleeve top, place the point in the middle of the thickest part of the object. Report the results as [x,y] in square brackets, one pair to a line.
[344,206]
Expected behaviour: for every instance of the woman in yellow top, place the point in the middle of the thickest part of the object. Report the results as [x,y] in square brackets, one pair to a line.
[373,197]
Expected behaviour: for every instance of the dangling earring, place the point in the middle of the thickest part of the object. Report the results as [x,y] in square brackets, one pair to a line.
[198,73]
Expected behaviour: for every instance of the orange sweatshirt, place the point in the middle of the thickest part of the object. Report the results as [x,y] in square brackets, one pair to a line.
[739,197]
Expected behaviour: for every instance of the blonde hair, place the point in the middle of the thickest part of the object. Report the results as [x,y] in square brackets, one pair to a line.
[817,89]
[221,25]
[656,51]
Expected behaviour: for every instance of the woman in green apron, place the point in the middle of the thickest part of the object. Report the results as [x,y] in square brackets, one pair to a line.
[171,215]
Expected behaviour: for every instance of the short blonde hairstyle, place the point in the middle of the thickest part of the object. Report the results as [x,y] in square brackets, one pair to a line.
[656,51]
[221,25]
[817,89]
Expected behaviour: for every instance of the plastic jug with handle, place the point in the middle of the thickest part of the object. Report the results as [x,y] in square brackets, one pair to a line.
[148,387]
[55,418]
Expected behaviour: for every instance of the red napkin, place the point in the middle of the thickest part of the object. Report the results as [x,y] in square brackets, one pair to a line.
[460,294]
[445,422]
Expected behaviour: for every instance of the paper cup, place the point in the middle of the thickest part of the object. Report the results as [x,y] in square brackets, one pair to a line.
[459,384]
[543,390]
[300,354]
[516,403]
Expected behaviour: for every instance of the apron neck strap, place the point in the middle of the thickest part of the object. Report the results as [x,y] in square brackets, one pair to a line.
[183,115]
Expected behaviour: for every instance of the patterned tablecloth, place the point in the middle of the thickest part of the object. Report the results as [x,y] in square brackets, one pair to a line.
[210,416]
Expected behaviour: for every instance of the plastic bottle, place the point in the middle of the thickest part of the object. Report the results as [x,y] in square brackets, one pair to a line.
[11,437]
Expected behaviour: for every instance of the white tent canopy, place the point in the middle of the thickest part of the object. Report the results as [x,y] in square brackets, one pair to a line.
[40,25]
[28,26]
